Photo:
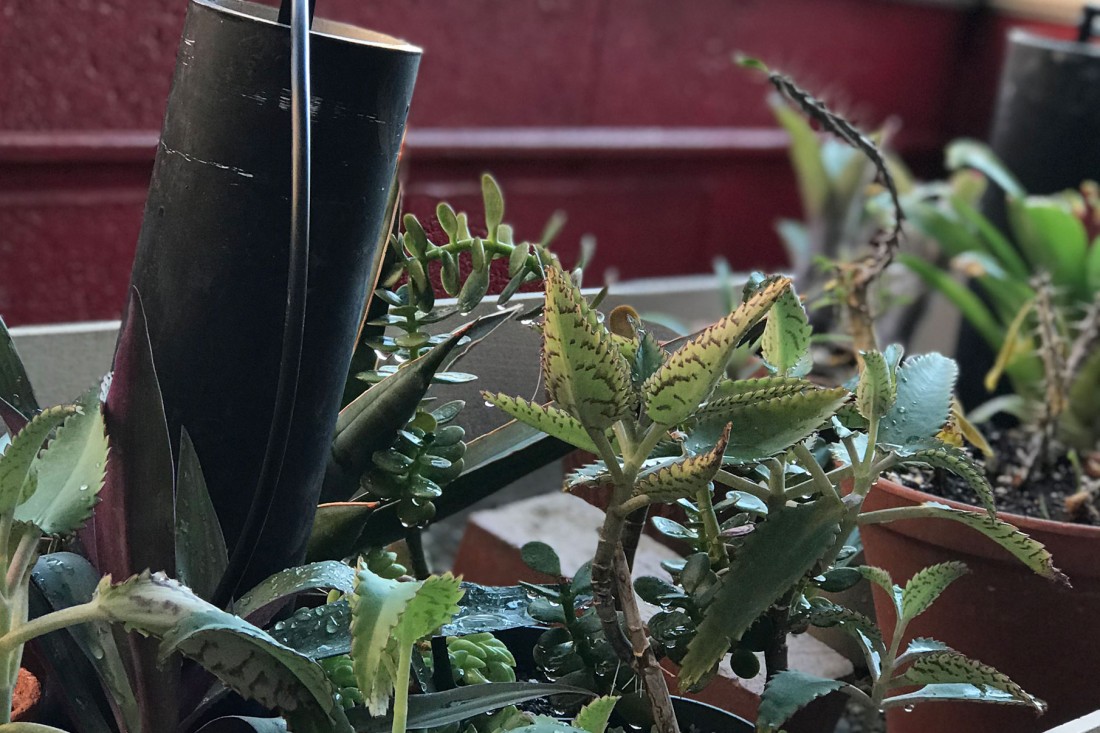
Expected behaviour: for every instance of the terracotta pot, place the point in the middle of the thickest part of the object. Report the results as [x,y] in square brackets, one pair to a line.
[25,698]
[1044,636]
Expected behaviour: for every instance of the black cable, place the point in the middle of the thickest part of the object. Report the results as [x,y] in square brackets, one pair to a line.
[295,315]
[285,12]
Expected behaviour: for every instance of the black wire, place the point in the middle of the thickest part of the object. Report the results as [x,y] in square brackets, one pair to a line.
[295,315]
[285,14]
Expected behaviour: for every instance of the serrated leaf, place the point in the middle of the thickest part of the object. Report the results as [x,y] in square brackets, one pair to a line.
[594,716]
[434,604]
[786,340]
[788,692]
[918,647]
[962,465]
[647,359]
[772,559]
[825,614]
[685,478]
[688,377]
[955,668]
[18,479]
[882,579]
[742,391]
[876,390]
[547,418]
[925,587]
[949,692]
[925,384]
[376,607]
[328,574]
[585,373]
[70,472]
[541,558]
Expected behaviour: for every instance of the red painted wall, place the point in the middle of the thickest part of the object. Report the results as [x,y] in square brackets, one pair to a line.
[84,82]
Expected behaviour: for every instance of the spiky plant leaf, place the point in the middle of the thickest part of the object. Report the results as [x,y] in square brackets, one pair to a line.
[683,479]
[952,692]
[925,384]
[742,391]
[926,585]
[688,377]
[647,359]
[962,465]
[15,386]
[18,479]
[586,375]
[594,716]
[788,692]
[771,560]
[70,471]
[955,668]
[826,614]
[547,418]
[786,340]
[876,390]
[376,607]
[882,579]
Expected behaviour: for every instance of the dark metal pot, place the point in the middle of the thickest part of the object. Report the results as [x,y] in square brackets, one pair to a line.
[211,264]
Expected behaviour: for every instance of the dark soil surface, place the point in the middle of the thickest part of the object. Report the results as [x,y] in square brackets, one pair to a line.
[1042,496]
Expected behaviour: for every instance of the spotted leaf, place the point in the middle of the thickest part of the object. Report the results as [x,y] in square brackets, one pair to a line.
[926,585]
[547,418]
[954,668]
[683,479]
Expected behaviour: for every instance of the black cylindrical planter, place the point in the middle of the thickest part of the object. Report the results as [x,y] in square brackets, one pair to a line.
[211,262]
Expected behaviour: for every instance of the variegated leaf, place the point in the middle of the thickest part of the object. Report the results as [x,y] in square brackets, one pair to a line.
[926,585]
[955,668]
[962,465]
[586,374]
[547,418]
[683,479]
[17,478]
[876,390]
[376,607]
[688,377]
[786,340]
[435,604]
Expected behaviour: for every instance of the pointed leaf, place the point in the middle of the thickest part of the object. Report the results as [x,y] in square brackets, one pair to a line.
[70,472]
[688,377]
[786,340]
[955,668]
[15,387]
[201,555]
[771,560]
[288,583]
[17,478]
[962,465]
[882,579]
[826,614]
[954,692]
[742,391]
[876,390]
[979,156]
[925,384]
[925,587]
[376,607]
[683,479]
[547,418]
[788,692]
[585,373]
[338,530]
[435,604]
[594,716]
[919,647]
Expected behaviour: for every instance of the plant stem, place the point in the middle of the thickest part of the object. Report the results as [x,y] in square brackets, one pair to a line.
[632,533]
[742,484]
[401,689]
[712,531]
[414,540]
[24,632]
[818,476]
[23,559]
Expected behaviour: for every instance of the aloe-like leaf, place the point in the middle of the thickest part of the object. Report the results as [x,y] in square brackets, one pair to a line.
[805,155]
[687,378]
[585,373]
[969,304]
[1079,425]
[1052,238]
[338,529]
[785,343]
[70,472]
[979,156]
[955,668]
[547,418]
[201,554]
[287,583]
[996,243]
[771,560]
[877,389]
[925,385]
[595,716]
[925,587]
[685,478]
[15,386]
[960,464]
[18,479]
[788,692]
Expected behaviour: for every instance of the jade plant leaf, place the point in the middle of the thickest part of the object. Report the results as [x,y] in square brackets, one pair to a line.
[925,587]
[925,384]
[541,558]
[962,465]
[785,343]
[15,386]
[683,479]
[954,668]
[286,584]
[547,418]
[18,479]
[201,555]
[688,377]
[772,559]
[586,375]
[788,692]
[70,472]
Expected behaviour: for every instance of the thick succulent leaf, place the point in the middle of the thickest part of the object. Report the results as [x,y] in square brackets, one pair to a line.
[288,583]
[18,479]
[15,387]
[585,373]
[688,377]
[786,340]
[825,614]
[70,472]
[771,560]
[925,384]
[876,390]
[788,692]
[547,418]
[955,668]
[953,692]
[962,465]
[201,554]
[376,607]
[683,479]
[594,716]
[1052,238]
[979,156]
[926,585]
[765,427]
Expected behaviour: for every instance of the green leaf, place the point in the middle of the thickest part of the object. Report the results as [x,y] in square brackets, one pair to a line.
[1079,425]
[925,385]
[968,303]
[648,358]
[15,386]
[826,614]
[594,716]
[925,587]
[955,668]
[435,604]
[882,579]
[1052,238]
[1092,266]
[376,607]
[979,156]
[18,479]
[877,389]
[685,478]
[416,241]
[541,558]
[772,560]
[201,555]
[805,155]
[997,244]
[288,583]
[788,692]
[919,647]
[742,391]
[960,464]
[494,204]
[338,530]
[70,472]
[688,377]
[585,373]
[953,692]
[786,339]
[547,418]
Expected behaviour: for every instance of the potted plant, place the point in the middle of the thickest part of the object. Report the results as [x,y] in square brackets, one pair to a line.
[1034,305]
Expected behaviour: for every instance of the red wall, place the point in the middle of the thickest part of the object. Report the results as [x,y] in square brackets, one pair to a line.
[559,98]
